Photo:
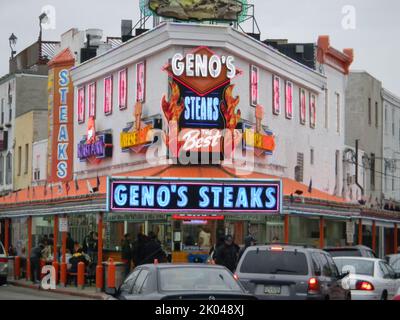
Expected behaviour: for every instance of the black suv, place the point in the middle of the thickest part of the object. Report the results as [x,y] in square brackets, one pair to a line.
[354,251]
[286,272]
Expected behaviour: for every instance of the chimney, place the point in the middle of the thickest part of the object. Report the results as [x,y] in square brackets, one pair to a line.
[126,30]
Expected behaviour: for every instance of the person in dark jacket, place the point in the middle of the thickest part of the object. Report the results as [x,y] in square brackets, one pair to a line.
[153,250]
[36,254]
[76,258]
[138,249]
[249,241]
[70,243]
[126,254]
[227,254]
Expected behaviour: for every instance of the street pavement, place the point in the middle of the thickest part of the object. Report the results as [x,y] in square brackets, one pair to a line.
[9,292]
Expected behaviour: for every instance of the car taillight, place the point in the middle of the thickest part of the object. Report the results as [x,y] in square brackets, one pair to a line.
[236,277]
[313,285]
[3,260]
[364,286]
[275,248]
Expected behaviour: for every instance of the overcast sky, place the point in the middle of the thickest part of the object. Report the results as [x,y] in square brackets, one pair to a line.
[375,38]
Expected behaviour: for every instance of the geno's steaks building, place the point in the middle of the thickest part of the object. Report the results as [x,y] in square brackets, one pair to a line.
[193,128]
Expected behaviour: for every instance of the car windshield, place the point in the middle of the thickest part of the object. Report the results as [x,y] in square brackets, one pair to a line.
[275,262]
[355,266]
[344,252]
[197,279]
[395,263]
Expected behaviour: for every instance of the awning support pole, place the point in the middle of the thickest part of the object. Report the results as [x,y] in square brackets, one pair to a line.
[99,267]
[396,245]
[6,235]
[28,253]
[360,234]
[374,235]
[321,233]
[286,228]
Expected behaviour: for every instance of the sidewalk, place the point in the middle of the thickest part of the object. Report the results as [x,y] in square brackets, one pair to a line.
[88,292]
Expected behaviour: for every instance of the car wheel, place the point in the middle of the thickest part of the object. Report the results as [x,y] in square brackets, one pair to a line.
[384,295]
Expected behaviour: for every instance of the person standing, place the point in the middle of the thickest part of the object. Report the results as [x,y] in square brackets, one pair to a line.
[35,256]
[249,241]
[126,254]
[138,249]
[153,250]
[227,254]
[70,243]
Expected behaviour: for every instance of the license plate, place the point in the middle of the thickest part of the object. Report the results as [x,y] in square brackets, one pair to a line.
[272,290]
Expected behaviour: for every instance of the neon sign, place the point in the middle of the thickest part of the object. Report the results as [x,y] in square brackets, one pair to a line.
[92,99]
[303,106]
[122,89]
[276,105]
[177,196]
[254,79]
[108,95]
[289,100]
[201,103]
[95,146]
[138,135]
[140,81]
[313,111]
[81,105]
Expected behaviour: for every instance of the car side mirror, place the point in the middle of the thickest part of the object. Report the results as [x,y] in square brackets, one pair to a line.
[111,291]
[343,275]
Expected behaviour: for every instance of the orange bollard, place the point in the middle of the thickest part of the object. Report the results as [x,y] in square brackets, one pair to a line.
[111,274]
[99,278]
[28,269]
[56,268]
[63,274]
[81,275]
[17,268]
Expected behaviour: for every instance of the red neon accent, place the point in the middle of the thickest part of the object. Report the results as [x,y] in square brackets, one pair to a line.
[3,260]
[364,286]
[313,285]
[183,217]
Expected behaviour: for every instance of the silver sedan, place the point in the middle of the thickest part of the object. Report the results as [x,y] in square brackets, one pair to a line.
[369,278]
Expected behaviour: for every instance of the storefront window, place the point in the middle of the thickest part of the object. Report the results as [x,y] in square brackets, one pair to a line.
[274,230]
[335,233]
[304,230]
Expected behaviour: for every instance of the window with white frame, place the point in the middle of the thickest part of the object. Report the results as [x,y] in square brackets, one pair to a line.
[92,99]
[289,100]
[122,89]
[338,115]
[302,106]
[254,82]
[108,95]
[141,81]
[276,95]
[81,105]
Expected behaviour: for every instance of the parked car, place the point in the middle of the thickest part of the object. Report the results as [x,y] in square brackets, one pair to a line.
[354,251]
[3,265]
[394,261]
[180,282]
[369,278]
[284,272]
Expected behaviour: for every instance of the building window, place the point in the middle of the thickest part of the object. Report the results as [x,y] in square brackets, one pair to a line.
[386,120]
[36,175]
[9,168]
[2,111]
[302,106]
[313,110]
[337,112]
[254,79]
[326,108]
[393,129]
[386,187]
[92,99]
[26,158]
[1,169]
[392,183]
[276,95]
[299,169]
[141,82]
[81,105]
[369,111]
[9,113]
[372,172]
[312,156]
[122,89]
[289,100]
[376,115]
[19,160]
[108,95]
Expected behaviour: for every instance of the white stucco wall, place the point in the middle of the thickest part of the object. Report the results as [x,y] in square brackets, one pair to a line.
[159,45]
